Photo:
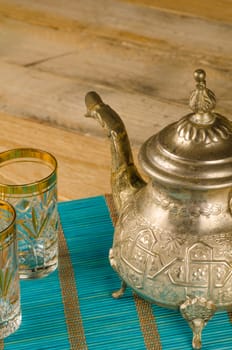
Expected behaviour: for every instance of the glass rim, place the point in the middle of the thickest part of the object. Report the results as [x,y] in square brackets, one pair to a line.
[33,187]
[11,226]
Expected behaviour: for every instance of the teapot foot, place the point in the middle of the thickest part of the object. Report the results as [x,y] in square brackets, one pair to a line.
[197,326]
[197,311]
[119,293]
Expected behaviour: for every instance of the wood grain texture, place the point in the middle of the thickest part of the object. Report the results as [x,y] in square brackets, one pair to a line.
[45,74]
[83,161]
[138,54]
[219,10]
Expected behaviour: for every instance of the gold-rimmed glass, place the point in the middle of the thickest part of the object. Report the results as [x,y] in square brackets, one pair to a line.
[10,311]
[28,181]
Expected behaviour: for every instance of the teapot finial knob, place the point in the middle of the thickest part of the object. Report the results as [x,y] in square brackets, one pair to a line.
[202,100]
[200,76]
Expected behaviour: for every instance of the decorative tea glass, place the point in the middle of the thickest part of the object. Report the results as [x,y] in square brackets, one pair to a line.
[10,311]
[28,181]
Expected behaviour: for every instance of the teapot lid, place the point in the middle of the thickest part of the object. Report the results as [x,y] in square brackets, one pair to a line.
[196,151]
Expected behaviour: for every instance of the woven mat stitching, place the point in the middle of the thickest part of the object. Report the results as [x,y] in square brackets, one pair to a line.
[70,297]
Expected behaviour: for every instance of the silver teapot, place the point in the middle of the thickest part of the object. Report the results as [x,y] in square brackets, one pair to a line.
[173,238]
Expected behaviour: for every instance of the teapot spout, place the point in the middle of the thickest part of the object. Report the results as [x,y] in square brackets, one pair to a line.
[125,179]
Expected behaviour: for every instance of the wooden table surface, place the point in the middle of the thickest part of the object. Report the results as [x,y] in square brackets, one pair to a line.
[138,54]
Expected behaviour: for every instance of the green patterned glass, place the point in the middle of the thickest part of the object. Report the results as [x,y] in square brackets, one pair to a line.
[10,312]
[28,182]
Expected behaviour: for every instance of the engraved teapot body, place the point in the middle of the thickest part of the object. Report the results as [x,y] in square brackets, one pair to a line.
[173,238]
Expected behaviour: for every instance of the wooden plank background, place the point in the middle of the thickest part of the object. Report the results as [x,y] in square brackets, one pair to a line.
[138,54]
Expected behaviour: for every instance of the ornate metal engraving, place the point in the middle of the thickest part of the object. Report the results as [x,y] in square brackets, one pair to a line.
[173,238]
[189,131]
[191,209]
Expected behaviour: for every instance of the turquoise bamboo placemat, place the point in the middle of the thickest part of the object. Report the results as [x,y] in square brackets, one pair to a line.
[73,307]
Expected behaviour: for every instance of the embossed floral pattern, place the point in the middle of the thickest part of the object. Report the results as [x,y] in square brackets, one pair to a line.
[205,134]
[179,209]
